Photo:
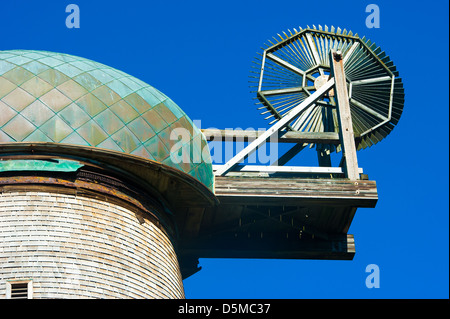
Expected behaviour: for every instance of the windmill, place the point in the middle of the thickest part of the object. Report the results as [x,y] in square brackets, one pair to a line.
[323,87]
[317,84]
[86,156]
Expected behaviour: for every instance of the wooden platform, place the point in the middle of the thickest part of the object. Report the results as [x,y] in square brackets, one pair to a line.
[266,217]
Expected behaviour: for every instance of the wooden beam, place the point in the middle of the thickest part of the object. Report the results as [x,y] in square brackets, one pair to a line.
[295,191]
[344,116]
[217,135]
[287,169]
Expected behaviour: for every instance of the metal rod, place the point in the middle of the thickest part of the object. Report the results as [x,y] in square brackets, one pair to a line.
[373,80]
[285,64]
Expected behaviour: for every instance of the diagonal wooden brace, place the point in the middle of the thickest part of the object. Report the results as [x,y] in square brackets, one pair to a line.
[285,120]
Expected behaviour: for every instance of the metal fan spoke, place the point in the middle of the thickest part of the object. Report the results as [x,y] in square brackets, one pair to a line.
[307,57]
[286,64]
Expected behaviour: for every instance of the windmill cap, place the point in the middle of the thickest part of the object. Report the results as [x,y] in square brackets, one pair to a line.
[48,97]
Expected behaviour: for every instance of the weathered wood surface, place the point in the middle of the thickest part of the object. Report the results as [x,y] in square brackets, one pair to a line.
[261,217]
[359,193]
[287,169]
[344,116]
[287,137]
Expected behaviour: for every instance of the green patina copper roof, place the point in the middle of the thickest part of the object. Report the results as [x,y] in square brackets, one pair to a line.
[57,165]
[54,97]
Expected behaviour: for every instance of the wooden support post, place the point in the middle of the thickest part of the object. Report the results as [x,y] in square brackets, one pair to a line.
[344,116]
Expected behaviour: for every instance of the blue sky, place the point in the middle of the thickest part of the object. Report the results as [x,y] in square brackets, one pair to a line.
[200,54]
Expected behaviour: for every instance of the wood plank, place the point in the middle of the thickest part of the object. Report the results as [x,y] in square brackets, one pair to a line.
[296,191]
[288,169]
[344,116]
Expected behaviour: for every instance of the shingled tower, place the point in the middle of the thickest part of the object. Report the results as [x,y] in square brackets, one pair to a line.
[88,186]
